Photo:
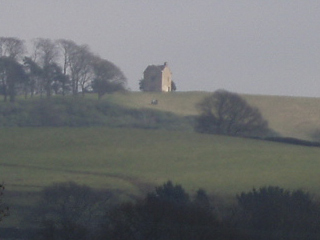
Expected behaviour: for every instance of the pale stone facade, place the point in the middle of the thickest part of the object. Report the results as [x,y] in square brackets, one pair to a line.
[158,78]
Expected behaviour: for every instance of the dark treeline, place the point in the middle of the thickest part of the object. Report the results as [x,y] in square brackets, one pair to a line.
[54,67]
[72,211]
[4,210]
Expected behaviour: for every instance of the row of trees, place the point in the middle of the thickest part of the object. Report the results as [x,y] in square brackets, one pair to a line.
[54,67]
[71,211]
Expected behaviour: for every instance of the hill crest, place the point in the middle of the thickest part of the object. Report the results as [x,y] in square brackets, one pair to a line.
[296,117]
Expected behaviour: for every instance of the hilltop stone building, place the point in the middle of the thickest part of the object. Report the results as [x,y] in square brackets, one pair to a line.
[157,78]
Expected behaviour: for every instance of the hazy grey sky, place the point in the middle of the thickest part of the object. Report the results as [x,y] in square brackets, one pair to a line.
[256,47]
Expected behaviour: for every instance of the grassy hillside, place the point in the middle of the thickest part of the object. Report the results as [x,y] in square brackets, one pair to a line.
[290,116]
[182,103]
[131,160]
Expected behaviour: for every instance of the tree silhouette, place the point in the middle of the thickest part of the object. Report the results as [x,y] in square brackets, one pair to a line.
[277,213]
[227,113]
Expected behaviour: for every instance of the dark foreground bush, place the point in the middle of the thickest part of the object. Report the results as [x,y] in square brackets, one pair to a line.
[167,213]
[4,210]
[275,213]
[72,211]
[69,211]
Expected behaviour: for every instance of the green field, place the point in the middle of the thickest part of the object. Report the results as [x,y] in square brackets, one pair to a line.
[132,160]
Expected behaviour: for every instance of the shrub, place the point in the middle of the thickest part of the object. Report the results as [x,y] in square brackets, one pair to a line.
[69,211]
[167,213]
[275,213]
[228,113]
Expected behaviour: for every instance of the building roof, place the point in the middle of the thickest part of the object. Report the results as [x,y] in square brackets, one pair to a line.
[160,67]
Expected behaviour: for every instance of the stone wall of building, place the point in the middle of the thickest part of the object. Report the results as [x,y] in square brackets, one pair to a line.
[158,78]
[166,79]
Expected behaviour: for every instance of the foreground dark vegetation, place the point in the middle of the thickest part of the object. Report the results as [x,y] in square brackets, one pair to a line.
[71,211]
[4,210]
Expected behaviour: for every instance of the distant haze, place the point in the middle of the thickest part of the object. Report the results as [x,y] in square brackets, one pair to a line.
[257,47]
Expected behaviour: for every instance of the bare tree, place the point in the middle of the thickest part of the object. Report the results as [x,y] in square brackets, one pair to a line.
[69,211]
[65,48]
[11,47]
[45,51]
[45,55]
[227,113]
[81,68]
[35,77]
[78,64]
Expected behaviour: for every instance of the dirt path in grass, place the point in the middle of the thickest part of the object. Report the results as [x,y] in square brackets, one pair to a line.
[141,185]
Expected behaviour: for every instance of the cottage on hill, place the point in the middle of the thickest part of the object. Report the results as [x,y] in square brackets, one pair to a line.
[157,78]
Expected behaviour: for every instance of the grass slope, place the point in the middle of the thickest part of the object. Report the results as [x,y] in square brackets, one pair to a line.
[131,160]
[290,116]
